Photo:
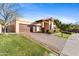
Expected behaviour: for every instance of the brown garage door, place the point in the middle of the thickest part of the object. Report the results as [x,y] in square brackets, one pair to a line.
[24,28]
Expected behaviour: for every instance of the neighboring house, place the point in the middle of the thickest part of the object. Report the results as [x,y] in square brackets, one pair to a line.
[43,25]
[22,25]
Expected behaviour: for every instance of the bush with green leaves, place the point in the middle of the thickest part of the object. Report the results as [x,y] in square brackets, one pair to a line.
[53,31]
[50,31]
[57,30]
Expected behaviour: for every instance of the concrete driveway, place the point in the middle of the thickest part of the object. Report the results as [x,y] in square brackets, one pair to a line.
[71,47]
[50,41]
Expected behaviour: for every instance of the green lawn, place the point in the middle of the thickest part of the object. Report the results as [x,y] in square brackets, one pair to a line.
[17,45]
[62,35]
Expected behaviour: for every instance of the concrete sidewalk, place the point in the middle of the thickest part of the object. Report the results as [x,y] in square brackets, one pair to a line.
[71,47]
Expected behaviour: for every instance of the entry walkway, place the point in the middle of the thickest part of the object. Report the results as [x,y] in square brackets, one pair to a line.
[54,43]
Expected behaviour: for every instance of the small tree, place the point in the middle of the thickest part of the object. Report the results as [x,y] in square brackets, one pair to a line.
[58,23]
[7,13]
[1,22]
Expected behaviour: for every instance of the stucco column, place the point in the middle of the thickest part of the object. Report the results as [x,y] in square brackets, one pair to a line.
[49,24]
[42,24]
[17,27]
[52,25]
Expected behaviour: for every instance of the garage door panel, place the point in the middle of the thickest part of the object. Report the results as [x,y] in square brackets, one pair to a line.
[24,28]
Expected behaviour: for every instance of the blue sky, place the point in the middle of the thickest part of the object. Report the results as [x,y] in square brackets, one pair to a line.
[65,12]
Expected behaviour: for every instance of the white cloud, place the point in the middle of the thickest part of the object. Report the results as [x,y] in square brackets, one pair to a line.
[63,19]
[66,20]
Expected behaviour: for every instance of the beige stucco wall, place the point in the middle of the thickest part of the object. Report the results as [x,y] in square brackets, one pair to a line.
[38,28]
[21,22]
[17,27]
[53,25]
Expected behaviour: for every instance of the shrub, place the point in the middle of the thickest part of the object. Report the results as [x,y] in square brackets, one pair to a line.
[39,32]
[66,32]
[57,30]
[50,31]
[53,31]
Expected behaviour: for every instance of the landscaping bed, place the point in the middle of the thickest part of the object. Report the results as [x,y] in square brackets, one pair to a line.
[64,36]
[17,45]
